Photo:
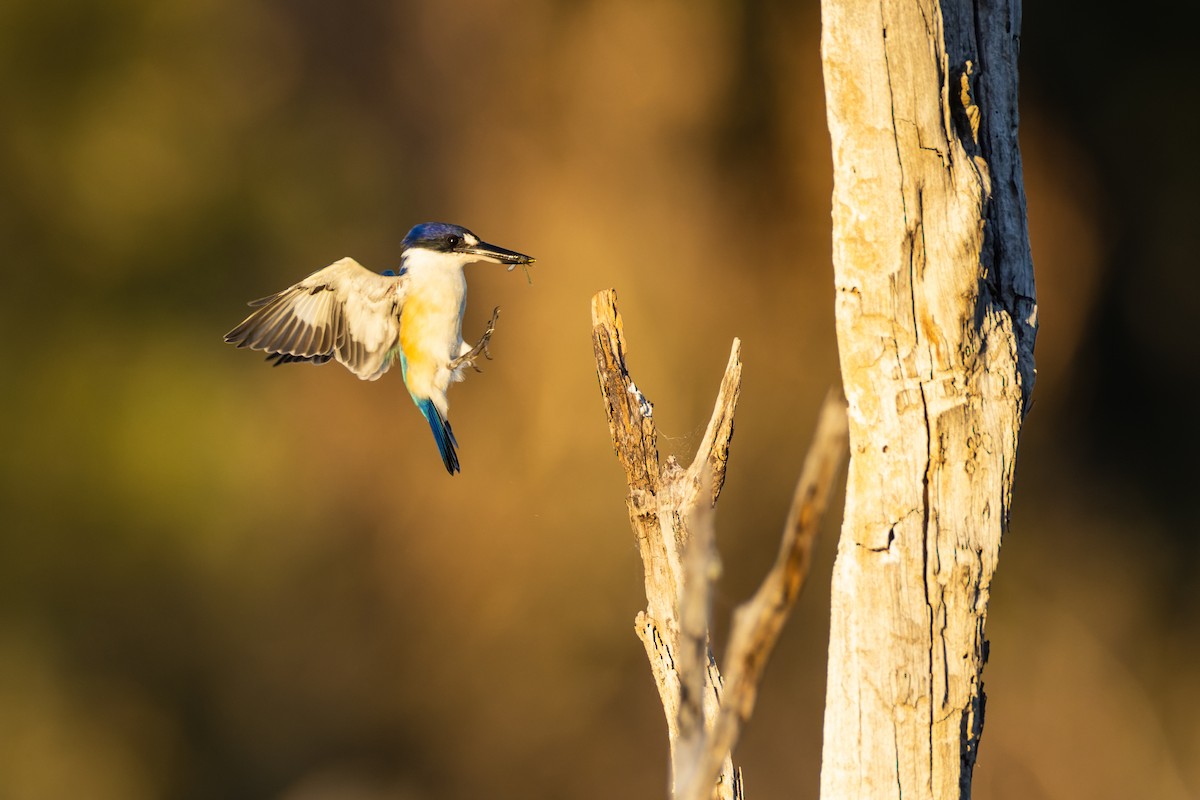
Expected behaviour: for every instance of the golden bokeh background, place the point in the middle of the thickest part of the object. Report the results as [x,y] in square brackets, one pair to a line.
[221,580]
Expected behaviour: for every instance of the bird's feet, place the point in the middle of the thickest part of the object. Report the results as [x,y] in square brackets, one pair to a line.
[467,359]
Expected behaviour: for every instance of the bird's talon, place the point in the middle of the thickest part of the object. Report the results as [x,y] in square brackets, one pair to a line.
[468,358]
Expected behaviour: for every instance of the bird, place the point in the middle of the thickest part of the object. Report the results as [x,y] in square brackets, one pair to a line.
[367,321]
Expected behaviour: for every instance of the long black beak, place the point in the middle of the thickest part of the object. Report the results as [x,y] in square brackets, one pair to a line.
[491,252]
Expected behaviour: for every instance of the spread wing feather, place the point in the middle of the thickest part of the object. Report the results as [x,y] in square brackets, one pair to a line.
[344,312]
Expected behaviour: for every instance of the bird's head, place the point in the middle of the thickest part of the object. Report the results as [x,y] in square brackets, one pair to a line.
[454,245]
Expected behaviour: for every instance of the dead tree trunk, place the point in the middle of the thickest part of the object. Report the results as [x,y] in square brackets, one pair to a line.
[936,320]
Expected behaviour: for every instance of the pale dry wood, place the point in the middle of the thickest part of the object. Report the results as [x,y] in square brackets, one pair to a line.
[671,510]
[662,499]
[702,566]
[936,319]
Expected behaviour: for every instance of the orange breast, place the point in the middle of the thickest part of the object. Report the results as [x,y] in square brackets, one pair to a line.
[414,335]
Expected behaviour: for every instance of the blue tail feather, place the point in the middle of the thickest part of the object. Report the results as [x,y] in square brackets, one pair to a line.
[441,434]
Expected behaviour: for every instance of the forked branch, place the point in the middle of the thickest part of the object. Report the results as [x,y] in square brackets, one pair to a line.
[671,512]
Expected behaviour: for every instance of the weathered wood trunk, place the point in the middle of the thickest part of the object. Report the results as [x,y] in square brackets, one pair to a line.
[936,320]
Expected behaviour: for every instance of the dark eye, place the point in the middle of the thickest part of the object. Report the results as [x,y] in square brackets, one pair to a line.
[453,240]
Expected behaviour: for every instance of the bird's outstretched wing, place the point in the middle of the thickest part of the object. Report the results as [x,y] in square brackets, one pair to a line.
[344,311]
[276,359]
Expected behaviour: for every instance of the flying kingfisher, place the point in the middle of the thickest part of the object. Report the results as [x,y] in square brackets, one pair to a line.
[367,321]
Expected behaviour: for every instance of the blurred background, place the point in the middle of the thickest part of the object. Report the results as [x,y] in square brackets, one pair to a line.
[220,580]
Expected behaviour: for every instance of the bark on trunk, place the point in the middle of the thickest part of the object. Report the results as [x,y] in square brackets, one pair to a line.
[936,320]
